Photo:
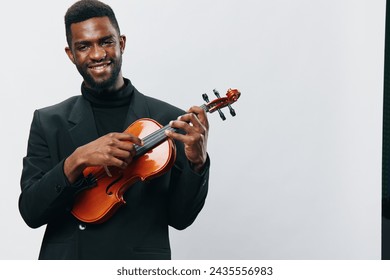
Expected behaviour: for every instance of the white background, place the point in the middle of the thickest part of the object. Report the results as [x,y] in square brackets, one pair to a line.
[295,175]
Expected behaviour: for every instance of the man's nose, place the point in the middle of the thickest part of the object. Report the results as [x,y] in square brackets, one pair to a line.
[97,53]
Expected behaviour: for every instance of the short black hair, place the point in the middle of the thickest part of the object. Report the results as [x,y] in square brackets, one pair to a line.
[84,10]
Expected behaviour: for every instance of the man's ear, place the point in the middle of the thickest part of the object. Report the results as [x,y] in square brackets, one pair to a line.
[122,43]
[70,54]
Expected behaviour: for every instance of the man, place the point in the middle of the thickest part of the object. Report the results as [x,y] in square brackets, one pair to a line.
[87,130]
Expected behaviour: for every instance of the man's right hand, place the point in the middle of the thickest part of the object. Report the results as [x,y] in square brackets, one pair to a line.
[113,149]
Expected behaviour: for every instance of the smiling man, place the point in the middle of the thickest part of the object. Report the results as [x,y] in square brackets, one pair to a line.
[86,130]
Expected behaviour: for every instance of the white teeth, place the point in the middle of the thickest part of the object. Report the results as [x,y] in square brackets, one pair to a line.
[99,67]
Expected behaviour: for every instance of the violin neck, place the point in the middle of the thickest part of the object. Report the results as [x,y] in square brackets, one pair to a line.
[204,107]
[153,140]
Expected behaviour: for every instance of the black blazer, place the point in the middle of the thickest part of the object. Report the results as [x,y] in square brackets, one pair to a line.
[138,230]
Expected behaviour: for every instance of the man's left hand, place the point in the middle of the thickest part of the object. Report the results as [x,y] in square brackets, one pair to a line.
[196,126]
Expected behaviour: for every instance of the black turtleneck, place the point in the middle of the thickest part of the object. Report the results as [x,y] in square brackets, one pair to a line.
[109,108]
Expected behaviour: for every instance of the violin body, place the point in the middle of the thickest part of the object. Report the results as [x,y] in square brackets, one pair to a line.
[98,203]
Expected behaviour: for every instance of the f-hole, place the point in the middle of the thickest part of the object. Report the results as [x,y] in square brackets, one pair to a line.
[112,183]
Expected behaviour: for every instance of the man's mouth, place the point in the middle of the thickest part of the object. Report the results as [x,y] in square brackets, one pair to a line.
[99,66]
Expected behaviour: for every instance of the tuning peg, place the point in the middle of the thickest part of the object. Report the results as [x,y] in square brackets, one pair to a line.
[205,97]
[216,93]
[231,110]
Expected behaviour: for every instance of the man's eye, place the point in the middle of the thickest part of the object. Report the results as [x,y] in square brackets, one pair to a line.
[108,42]
[81,47]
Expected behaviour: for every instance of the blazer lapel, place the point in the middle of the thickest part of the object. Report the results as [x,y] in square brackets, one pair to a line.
[138,108]
[83,130]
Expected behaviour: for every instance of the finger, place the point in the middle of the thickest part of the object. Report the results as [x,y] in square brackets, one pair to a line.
[185,128]
[124,141]
[182,122]
[127,152]
[126,146]
[122,154]
[201,115]
[119,157]
[122,136]
[189,123]
[118,163]
[177,136]
[121,149]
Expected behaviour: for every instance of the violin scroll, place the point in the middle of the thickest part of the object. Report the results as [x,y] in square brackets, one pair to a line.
[232,96]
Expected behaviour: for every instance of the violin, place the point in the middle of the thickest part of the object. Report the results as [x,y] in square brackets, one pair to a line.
[98,203]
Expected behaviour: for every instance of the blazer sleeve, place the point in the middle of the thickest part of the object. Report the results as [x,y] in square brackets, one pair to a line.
[187,189]
[188,192]
[45,189]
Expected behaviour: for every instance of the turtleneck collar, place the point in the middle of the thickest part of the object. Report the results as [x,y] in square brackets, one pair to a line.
[109,99]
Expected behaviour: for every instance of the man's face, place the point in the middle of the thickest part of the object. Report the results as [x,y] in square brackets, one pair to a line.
[96,50]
